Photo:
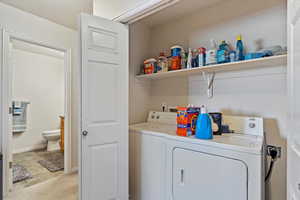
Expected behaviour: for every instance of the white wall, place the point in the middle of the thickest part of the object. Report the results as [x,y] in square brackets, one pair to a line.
[259,92]
[38,79]
[139,91]
[40,29]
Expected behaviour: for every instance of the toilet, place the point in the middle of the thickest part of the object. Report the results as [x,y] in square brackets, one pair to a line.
[53,138]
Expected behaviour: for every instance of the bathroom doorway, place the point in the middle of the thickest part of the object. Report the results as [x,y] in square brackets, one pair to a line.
[38,126]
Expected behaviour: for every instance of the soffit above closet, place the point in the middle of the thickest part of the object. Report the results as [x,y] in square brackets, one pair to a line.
[178,10]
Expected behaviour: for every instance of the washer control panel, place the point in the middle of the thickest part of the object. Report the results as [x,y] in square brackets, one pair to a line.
[245,125]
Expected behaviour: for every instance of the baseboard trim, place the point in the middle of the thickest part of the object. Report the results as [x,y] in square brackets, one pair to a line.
[74,170]
[31,148]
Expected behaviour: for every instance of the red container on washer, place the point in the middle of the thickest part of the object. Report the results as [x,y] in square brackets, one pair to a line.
[186,120]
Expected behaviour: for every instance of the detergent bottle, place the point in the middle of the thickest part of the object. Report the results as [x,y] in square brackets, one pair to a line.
[204,125]
[223,52]
[211,54]
[239,49]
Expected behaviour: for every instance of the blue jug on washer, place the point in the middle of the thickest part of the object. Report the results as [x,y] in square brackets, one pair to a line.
[204,125]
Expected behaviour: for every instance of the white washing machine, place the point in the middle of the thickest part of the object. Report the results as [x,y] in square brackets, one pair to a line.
[164,166]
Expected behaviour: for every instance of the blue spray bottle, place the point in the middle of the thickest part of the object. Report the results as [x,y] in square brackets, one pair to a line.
[204,127]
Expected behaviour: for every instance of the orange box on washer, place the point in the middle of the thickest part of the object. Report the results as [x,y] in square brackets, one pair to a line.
[186,120]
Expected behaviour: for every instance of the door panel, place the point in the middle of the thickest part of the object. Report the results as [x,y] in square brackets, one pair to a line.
[293,180]
[105,159]
[105,101]
[197,174]
[104,114]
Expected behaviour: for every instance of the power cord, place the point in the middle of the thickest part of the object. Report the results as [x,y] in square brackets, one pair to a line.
[274,153]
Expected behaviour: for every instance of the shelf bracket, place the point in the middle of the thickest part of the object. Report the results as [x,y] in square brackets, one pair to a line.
[209,77]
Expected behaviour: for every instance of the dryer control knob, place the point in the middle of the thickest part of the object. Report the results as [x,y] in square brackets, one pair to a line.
[252,125]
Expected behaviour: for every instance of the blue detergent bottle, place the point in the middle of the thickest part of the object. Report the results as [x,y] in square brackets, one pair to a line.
[204,127]
[239,48]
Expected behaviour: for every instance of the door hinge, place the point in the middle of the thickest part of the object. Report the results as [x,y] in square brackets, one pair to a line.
[10,110]
[10,164]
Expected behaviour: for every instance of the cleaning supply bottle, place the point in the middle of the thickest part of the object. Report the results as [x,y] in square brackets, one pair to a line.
[202,57]
[211,54]
[183,59]
[223,52]
[162,63]
[239,49]
[189,59]
[203,126]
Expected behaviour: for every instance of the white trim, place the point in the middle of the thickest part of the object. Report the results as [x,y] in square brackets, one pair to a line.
[68,103]
[30,148]
[5,101]
[5,113]
[143,10]
[74,170]
[79,106]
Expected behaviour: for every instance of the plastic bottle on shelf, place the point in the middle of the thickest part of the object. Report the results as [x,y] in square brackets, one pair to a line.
[202,57]
[195,61]
[176,57]
[162,63]
[189,59]
[211,54]
[223,53]
[183,59]
[239,48]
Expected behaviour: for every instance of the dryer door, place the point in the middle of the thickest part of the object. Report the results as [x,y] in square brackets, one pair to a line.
[199,175]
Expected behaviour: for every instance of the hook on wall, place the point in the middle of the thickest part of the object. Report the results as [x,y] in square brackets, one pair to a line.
[209,77]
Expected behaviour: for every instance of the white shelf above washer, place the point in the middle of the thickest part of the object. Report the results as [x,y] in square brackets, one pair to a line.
[241,65]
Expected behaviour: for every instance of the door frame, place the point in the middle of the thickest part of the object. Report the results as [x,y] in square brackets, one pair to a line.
[4,108]
[293,142]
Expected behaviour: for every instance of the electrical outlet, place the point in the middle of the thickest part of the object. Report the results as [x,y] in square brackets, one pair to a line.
[271,148]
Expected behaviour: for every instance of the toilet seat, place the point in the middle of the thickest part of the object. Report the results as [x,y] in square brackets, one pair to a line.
[52,132]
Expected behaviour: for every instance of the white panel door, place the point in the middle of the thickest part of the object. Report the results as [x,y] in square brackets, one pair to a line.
[104,109]
[198,176]
[293,171]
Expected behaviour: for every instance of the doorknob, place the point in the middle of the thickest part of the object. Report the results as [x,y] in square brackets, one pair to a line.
[84,133]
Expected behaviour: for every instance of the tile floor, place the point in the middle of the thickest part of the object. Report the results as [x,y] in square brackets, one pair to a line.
[30,161]
[64,187]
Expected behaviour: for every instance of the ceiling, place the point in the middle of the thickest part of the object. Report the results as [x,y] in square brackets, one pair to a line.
[64,12]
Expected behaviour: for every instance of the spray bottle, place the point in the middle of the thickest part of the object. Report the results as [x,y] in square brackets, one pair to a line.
[189,59]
